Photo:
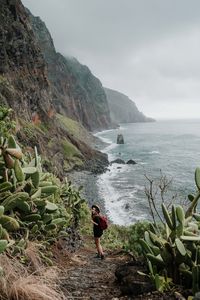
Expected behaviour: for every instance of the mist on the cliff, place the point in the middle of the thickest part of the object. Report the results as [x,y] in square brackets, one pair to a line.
[147,49]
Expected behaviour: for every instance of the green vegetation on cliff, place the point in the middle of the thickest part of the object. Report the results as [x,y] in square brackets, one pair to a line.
[75,129]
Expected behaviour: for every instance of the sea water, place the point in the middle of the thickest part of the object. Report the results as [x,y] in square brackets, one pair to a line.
[170,147]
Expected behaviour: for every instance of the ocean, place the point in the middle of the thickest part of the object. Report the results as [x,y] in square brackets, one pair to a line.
[168,147]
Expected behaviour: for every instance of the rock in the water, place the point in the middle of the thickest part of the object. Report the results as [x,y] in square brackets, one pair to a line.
[120,139]
[131,162]
[127,206]
[118,161]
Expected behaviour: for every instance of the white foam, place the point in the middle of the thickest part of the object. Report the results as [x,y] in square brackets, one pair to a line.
[111,197]
[106,140]
[111,145]
[115,189]
[112,206]
[115,199]
[154,152]
[103,132]
[139,187]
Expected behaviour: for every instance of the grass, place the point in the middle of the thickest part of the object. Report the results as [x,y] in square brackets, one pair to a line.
[2,79]
[33,257]
[72,156]
[72,126]
[31,130]
[70,150]
[33,133]
[75,129]
[17,283]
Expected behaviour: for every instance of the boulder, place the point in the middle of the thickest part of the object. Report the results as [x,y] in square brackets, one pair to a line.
[131,162]
[118,161]
[127,206]
[130,281]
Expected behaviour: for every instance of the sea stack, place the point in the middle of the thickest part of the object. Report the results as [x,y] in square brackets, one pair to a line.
[120,139]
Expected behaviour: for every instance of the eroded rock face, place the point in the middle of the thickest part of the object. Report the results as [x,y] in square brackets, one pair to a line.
[26,88]
[77,93]
[23,75]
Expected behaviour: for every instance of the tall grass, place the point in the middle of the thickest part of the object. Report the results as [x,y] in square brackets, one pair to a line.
[16,283]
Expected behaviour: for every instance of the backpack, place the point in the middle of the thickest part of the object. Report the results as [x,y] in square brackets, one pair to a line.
[103,222]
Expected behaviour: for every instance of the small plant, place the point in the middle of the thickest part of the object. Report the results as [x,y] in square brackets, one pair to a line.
[6,125]
[134,233]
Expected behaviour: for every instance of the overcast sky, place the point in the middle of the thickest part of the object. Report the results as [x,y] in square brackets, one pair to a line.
[146,49]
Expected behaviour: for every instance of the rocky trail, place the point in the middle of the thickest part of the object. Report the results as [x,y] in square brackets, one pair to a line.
[89,278]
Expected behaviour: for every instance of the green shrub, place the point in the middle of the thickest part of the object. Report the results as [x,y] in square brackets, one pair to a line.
[135,232]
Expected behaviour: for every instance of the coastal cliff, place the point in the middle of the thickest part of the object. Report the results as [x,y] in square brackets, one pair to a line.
[77,93]
[123,109]
[26,87]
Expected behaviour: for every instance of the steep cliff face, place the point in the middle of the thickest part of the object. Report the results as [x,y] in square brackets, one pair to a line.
[23,75]
[26,87]
[123,109]
[77,93]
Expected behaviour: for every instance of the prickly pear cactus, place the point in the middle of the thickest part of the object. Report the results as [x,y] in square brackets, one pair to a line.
[174,250]
[31,201]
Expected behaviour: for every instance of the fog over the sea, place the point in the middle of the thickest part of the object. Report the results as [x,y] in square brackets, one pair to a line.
[146,49]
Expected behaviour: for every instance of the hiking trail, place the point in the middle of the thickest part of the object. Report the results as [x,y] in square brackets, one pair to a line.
[87,277]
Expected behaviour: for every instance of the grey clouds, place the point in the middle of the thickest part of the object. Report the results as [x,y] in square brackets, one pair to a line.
[146,49]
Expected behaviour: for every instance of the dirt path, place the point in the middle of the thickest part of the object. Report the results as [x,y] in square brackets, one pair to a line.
[86,277]
[90,278]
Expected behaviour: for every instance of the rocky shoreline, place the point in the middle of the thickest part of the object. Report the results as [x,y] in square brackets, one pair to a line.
[88,177]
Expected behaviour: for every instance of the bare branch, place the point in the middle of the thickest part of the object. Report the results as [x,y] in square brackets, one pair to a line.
[151,195]
[156,191]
